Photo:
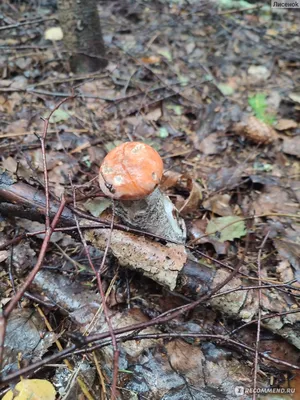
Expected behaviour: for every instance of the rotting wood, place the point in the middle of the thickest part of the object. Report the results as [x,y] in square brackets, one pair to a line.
[145,255]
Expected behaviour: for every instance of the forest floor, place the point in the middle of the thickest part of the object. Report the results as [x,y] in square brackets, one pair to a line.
[216,91]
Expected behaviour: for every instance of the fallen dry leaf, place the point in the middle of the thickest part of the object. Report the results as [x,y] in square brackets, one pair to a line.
[153,115]
[18,126]
[284,124]
[151,59]
[219,204]
[291,146]
[10,164]
[172,179]
[32,389]
[288,246]
[285,271]
[295,96]
[197,233]
[55,33]
[274,199]
[3,255]
[213,144]
[255,130]
[258,73]
[191,204]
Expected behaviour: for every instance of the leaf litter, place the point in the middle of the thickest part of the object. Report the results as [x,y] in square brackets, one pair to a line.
[203,87]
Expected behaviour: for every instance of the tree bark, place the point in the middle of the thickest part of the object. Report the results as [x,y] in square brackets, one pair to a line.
[83,39]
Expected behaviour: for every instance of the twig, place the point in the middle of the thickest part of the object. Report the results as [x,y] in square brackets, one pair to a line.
[101,378]
[43,140]
[17,297]
[10,273]
[16,134]
[67,363]
[269,316]
[102,294]
[237,10]
[187,307]
[18,24]
[13,241]
[105,335]
[259,316]
[49,229]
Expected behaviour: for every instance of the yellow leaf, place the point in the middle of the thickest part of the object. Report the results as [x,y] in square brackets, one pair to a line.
[272,32]
[150,60]
[53,34]
[32,389]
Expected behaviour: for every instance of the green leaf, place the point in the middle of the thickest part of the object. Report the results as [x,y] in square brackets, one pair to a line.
[59,116]
[184,80]
[226,89]
[234,4]
[165,53]
[163,132]
[176,108]
[109,146]
[126,371]
[259,105]
[97,206]
[226,228]
[265,167]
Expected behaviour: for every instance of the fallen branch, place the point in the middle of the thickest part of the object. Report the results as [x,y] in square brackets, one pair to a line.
[169,265]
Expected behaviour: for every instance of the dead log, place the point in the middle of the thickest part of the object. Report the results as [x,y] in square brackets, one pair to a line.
[168,264]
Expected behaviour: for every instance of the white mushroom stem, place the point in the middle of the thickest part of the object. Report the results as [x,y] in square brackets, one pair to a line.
[155,214]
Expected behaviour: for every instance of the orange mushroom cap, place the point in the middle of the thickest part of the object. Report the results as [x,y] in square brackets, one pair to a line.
[130,171]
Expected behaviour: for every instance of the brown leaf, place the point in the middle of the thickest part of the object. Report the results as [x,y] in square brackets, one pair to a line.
[219,204]
[186,359]
[291,146]
[226,177]
[285,271]
[274,199]
[182,182]
[284,124]
[191,204]
[255,130]
[213,144]
[17,126]
[197,233]
[170,179]
[3,255]
[10,164]
[288,246]
[154,114]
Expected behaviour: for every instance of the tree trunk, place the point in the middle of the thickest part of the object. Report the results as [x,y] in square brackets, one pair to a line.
[79,20]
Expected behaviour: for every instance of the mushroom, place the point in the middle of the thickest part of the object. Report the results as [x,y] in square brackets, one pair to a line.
[130,174]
